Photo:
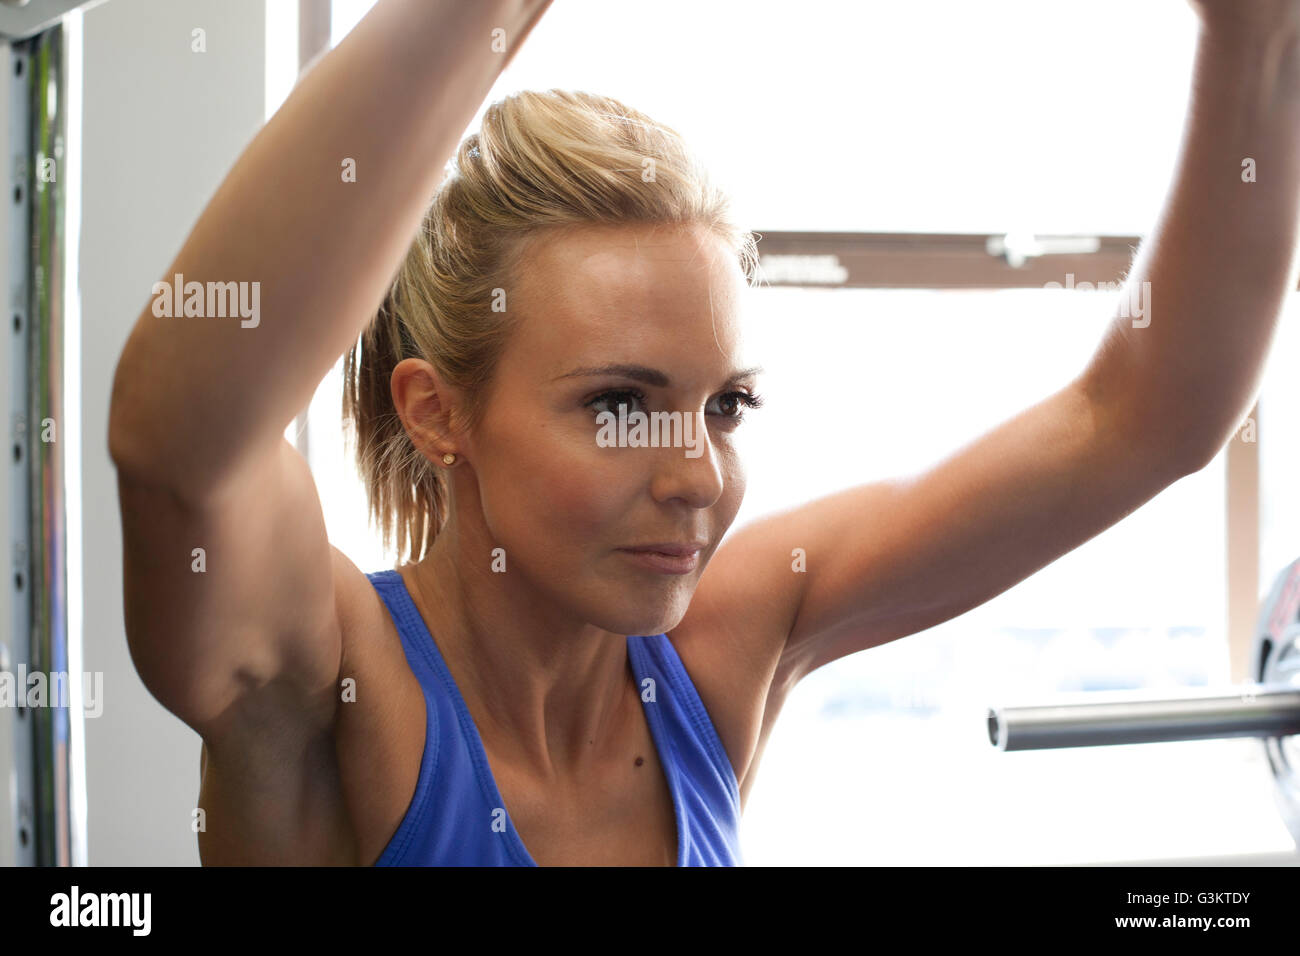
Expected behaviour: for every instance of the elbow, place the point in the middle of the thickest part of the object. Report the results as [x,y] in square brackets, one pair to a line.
[133,441]
[123,435]
[125,458]
[1191,455]
[1156,431]
[1191,464]
[119,432]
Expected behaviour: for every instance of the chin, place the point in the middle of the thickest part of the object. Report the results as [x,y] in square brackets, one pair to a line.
[656,616]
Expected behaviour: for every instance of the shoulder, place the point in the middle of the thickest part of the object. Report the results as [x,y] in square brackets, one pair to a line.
[354,595]
[372,645]
[731,647]
[367,627]
[380,735]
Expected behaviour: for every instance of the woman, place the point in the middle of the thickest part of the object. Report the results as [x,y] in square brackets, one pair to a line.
[568,669]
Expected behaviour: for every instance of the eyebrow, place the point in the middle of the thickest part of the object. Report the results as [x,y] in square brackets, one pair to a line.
[650,376]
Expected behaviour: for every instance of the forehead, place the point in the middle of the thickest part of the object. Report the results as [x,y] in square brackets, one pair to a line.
[647,293]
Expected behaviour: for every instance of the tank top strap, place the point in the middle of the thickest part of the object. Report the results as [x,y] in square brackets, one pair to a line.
[456,816]
[696,762]
[410,626]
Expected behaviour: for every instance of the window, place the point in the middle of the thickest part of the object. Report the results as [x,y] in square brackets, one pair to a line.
[882,757]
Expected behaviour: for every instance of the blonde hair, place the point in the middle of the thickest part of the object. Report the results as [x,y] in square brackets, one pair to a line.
[540,160]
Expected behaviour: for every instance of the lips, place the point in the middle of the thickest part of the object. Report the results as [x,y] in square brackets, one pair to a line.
[676,550]
[666,558]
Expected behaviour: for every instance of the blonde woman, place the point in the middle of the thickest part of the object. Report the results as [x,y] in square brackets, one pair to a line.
[566,668]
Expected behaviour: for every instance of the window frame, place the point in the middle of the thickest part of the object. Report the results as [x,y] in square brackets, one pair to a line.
[881,260]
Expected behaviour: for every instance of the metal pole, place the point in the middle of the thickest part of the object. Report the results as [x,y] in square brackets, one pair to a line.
[51,831]
[18,658]
[49,635]
[1262,712]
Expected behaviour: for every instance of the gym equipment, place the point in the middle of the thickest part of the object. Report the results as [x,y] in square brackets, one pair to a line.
[48,785]
[1268,709]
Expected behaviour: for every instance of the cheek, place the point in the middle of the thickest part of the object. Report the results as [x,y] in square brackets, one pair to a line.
[553,501]
[580,504]
[733,490]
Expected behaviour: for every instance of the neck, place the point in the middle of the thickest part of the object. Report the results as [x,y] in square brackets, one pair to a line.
[547,691]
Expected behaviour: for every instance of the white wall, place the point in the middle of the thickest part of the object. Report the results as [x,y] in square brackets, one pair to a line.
[161,127]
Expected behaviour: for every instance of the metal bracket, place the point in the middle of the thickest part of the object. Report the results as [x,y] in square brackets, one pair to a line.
[20,19]
[1017,247]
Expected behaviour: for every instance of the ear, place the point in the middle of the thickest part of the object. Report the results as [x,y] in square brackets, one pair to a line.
[424,403]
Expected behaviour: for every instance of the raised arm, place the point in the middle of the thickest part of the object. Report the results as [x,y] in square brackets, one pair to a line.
[195,399]
[200,404]
[1221,261]
[1161,395]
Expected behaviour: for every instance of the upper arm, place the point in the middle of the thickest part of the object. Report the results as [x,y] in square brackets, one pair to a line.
[229,600]
[884,560]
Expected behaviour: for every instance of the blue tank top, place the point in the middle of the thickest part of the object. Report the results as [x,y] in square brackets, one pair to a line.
[457,816]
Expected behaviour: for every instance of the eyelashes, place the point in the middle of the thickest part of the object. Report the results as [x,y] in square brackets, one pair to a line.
[739,401]
[742,400]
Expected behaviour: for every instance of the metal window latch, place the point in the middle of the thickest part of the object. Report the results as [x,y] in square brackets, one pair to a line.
[1016,247]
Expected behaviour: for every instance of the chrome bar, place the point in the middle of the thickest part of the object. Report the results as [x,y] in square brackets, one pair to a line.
[16,656]
[42,190]
[1233,712]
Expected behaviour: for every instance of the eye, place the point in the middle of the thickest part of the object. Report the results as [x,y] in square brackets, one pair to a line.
[614,398]
[732,405]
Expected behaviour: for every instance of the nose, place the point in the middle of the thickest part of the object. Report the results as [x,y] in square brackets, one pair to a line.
[692,471]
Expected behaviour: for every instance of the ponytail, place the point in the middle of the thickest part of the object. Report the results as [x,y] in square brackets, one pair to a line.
[406,493]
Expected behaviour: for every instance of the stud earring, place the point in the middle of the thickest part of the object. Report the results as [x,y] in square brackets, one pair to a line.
[449,459]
